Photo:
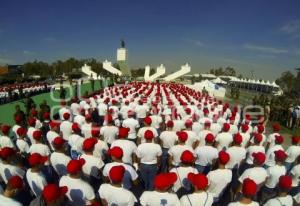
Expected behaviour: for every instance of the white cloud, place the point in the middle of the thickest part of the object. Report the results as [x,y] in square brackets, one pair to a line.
[193,41]
[49,39]
[291,28]
[28,53]
[265,49]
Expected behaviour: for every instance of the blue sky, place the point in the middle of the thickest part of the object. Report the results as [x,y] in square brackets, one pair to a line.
[258,35]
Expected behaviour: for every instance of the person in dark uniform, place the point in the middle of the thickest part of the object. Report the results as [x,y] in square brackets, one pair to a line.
[62,94]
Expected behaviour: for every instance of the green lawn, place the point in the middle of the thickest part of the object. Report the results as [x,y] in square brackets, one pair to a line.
[7,110]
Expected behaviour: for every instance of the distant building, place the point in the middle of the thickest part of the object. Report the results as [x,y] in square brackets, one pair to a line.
[11,69]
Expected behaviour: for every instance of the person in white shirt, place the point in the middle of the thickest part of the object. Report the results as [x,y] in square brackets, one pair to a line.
[21,143]
[293,153]
[80,193]
[34,175]
[224,139]
[124,110]
[200,196]
[257,173]
[63,110]
[8,168]
[130,176]
[187,160]
[80,118]
[114,193]
[58,158]
[86,127]
[270,154]
[66,126]
[141,112]
[283,197]
[109,132]
[176,150]
[39,147]
[161,196]
[52,195]
[249,190]
[274,172]
[219,178]
[6,141]
[14,185]
[236,152]
[246,136]
[92,166]
[142,130]
[31,122]
[52,133]
[101,146]
[149,158]
[129,148]
[272,136]
[132,124]
[204,132]
[206,155]
[168,138]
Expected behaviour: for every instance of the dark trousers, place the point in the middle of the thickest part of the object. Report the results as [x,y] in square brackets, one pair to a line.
[148,172]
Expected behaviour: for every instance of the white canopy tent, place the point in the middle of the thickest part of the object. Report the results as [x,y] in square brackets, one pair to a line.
[212,88]
[219,81]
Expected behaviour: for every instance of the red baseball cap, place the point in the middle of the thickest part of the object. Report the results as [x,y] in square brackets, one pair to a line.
[188,110]
[295,139]
[209,138]
[66,116]
[95,131]
[164,181]
[37,135]
[276,127]
[52,192]
[245,127]
[259,158]
[182,136]
[18,119]
[15,182]
[285,182]
[58,142]
[187,157]
[280,155]
[21,131]
[5,129]
[226,127]
[260,128]
[53,124]
[258,137]
[224,157]
[116,173]
[75,166]
[36,159]
[188,123]
[75,127]
[170,123]
[279,139]
[148,120]
[6,152]
[31,121]
[46,115]
[237,138]
[123,132]
[249,187]
[89,144]
[200,181]
[207,124]
[148,134]
[116,152]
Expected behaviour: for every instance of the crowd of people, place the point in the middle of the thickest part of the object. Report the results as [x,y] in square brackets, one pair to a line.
[154,144]
[19,91]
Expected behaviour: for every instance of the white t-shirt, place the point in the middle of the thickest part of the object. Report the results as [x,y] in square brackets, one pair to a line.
[86,130]
[202,135]
[128,147]
[148,153]
[142,131]
[182,173]
[75,141]
[237,155]
[205,155]
[215,128]
[102,109]
[272,138]
[109,133]
[128,168]
[59,161]
[245,138]
[156,121]
[280,201]
[154,198]
[36,181]
[295,172]
[168,139]
[8,170]
[218,179]
[176,151]
[79,119]
[80,193]
[253,203]
[66,129]
[22,145]
[253,149]
[141,111]
[274,173]
[9,201]
[197,127]
[192,137]
[92,165]
[116,195]
[51,135]
[132,124]
[293,153]
[257,174]
[178,125]
[224,139]
[15,129]
[270,155]
[39,148]
[100,149]
[30,134]
[6,142]
[197,199]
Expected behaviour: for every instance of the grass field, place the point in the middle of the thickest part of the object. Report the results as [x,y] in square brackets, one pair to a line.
[7,110]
